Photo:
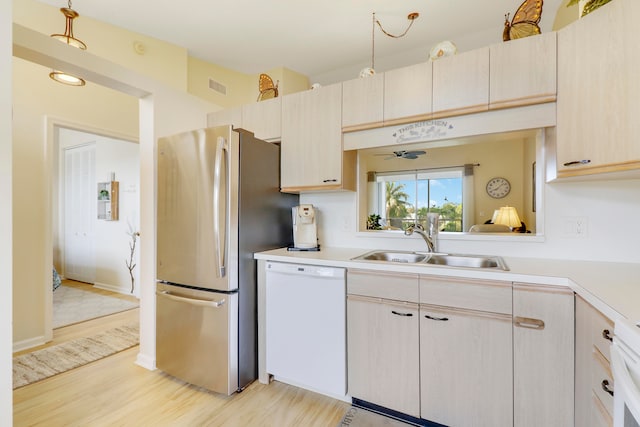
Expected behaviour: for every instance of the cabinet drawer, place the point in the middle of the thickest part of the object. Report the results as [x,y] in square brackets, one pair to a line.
[601,378]
[602,328]
[483,295]
[402,287]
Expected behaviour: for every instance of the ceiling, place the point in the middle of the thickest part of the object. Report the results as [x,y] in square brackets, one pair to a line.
[327,40]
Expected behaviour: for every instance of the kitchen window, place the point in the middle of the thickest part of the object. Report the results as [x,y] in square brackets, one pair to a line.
[403,198]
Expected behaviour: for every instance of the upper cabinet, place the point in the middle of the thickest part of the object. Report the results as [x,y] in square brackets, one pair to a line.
[229,116]
[362,103]
[312,158]
[407,94]
[599,92]
[523,71]
[263,119]
[461,83]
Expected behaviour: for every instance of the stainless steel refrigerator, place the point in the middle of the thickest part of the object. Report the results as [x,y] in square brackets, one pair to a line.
[219,201]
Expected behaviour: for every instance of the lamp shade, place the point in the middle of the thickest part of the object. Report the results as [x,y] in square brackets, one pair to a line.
[507,215]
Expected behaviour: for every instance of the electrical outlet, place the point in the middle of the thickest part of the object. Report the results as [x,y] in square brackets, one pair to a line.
[575,226]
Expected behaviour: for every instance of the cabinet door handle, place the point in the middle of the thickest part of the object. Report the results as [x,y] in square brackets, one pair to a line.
[527,322]
[329,180]
[578,162]
[440,319]
[606,334]
[605,387]
[402,314]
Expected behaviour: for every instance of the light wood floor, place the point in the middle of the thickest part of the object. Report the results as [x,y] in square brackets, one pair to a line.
[114,391]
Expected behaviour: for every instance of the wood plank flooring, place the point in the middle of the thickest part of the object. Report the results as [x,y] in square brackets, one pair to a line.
[114,391]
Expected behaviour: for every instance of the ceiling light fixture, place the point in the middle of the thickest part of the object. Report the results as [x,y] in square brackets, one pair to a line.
[68,38]
[369,71]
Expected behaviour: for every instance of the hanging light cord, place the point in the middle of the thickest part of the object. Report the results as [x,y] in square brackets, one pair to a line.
[373,40]
[412,17]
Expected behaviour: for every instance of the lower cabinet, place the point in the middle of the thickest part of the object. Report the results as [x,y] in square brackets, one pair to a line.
[462,352]
[466,368]
[383,351]
[594,386]
[543,355]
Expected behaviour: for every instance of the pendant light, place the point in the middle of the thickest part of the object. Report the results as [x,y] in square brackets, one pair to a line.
[370,71]
[68,38]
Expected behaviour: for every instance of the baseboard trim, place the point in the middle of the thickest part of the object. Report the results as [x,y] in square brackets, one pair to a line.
[420,422]
[113,288]
[28,343]
[146,362]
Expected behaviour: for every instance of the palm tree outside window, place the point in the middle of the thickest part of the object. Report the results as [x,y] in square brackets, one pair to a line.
[406,198]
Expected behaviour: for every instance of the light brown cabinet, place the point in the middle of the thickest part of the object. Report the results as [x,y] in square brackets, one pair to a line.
[312,158]
[486,352]
[594,332]
[523,71]
[382,341]
[599,92]
[461,83]
[408,94]
[263,119]
[228,116]
[362,103]
[465,355]
[543,355]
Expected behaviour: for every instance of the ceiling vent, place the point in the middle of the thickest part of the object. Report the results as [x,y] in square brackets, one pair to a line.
[217,86]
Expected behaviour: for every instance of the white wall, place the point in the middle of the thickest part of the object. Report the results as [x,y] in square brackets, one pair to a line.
[609,207]
[111,239]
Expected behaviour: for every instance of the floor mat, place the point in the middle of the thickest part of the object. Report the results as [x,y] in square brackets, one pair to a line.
[72,305]
[40,364]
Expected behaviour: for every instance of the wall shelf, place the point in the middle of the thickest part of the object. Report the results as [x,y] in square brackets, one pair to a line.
[107,195]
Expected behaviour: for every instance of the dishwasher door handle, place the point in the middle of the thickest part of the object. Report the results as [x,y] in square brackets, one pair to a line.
[193,301]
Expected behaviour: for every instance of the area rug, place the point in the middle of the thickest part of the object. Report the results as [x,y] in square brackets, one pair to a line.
[358,417]
[72,305]
[40,364]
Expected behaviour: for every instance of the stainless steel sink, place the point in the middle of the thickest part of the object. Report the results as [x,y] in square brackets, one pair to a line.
[394,256]
[449,260]
[471,261]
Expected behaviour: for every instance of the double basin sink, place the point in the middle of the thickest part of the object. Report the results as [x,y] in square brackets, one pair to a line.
[429,258]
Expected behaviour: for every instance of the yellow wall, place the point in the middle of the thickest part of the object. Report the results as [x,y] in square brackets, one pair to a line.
[239,86]
[35,97]
[162,61]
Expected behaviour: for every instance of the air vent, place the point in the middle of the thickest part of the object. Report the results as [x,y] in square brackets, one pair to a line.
[217,86]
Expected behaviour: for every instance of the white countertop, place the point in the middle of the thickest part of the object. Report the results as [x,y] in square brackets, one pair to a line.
[613,288]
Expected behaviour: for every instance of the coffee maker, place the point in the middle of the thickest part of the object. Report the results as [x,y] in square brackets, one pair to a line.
[305,232]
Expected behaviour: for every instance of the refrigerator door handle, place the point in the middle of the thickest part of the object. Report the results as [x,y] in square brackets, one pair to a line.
[193,301]
[220,254]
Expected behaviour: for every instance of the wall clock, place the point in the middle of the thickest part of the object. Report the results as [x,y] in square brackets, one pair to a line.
[498,187]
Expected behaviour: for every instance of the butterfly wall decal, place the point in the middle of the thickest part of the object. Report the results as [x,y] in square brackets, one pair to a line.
[267,88]
[524,22]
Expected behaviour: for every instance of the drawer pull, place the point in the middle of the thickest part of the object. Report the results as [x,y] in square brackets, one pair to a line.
[606,334]
[527,322]
[402,314]
[578,162]
[605,387]
[329,180]
[440,319]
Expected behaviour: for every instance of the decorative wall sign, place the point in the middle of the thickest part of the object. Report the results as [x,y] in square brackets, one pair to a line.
[422,131]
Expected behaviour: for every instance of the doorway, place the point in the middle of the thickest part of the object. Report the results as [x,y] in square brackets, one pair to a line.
[89,247]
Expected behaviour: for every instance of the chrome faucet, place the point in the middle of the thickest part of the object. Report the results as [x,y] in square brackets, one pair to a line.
[420,230]
[430,236]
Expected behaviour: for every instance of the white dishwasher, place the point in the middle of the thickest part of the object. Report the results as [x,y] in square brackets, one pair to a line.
[306,326]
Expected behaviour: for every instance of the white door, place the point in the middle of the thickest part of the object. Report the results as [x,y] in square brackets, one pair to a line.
[80,195]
